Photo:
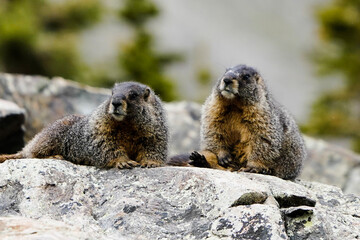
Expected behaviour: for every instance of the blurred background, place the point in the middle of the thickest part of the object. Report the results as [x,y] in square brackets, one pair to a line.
[308,51]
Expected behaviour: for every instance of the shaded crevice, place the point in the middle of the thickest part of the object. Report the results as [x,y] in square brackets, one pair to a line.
[285,224]
[286,201]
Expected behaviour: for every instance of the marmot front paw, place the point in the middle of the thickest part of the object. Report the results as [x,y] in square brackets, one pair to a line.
[122,163]
[198,160]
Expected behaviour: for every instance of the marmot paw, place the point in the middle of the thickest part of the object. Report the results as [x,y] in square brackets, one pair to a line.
[265,171]
[127,164]
[150,164]
[224,160]
[198,160]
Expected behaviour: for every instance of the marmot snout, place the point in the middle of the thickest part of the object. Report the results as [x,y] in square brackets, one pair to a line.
[126,98]
[241,82]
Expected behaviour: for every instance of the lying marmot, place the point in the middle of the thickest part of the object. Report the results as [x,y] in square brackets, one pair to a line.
[244,129]
[127,130]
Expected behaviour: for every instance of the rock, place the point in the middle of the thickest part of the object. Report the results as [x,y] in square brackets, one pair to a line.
[174,203]
[332,165]
[46,101]
[352,184]
[184,125]
[256,222]
[12,120]
[14,228]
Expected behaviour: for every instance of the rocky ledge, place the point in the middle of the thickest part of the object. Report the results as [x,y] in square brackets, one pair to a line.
[12,119]
[166,203]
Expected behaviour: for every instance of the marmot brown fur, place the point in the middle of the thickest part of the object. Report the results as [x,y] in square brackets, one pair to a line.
[244,129]
[127,130]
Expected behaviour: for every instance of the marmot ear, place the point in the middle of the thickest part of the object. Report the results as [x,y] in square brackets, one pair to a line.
[258,78]
[147,94]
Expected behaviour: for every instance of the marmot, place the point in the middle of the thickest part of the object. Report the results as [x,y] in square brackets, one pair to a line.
[127,130]
[244,129]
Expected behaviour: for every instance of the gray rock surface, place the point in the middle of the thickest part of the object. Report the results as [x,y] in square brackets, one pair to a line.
[332,165]
[184,124]
[172,203]
[353,181]
[46,101]
[12,119]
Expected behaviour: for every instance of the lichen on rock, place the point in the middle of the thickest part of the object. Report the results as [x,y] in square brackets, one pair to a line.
[174,202]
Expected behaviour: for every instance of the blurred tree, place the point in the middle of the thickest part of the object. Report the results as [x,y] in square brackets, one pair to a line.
[138,60]
[39,36]
[203,76]
[337,112]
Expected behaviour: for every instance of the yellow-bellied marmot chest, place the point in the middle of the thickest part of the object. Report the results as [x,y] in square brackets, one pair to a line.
[234,130]
[125,137]
[130,139]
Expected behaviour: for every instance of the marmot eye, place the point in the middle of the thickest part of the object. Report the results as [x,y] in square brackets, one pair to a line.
[246,77]
[133,95]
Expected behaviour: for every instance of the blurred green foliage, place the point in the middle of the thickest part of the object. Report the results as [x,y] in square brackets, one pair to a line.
[70,15]
[203,76]
[337,113]
[138,12]
[139,59]
[39,36]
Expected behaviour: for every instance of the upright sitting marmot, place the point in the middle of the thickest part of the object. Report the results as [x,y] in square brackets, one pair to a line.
[127,130]
[244,129]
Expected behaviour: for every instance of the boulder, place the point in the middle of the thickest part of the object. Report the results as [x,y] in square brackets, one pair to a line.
[330,164]
[168,203]
[12,119]
[184,126]
[48,100]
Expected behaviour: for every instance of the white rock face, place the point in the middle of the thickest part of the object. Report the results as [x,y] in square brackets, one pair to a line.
[170,203]
[15,228]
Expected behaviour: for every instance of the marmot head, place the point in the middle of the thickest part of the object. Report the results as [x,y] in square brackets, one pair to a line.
[128,98]
[242,83]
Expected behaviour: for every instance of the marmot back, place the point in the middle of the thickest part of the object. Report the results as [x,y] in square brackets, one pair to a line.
[244,129]
[127,130]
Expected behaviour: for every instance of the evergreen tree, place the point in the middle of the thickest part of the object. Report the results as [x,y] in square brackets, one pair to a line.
[39,36]
[138,60]
[337,112]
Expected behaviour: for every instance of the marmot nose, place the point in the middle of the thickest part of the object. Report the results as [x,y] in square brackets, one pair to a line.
[227,81]
[117,104]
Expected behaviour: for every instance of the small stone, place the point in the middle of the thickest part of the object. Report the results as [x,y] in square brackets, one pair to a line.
[250,198]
